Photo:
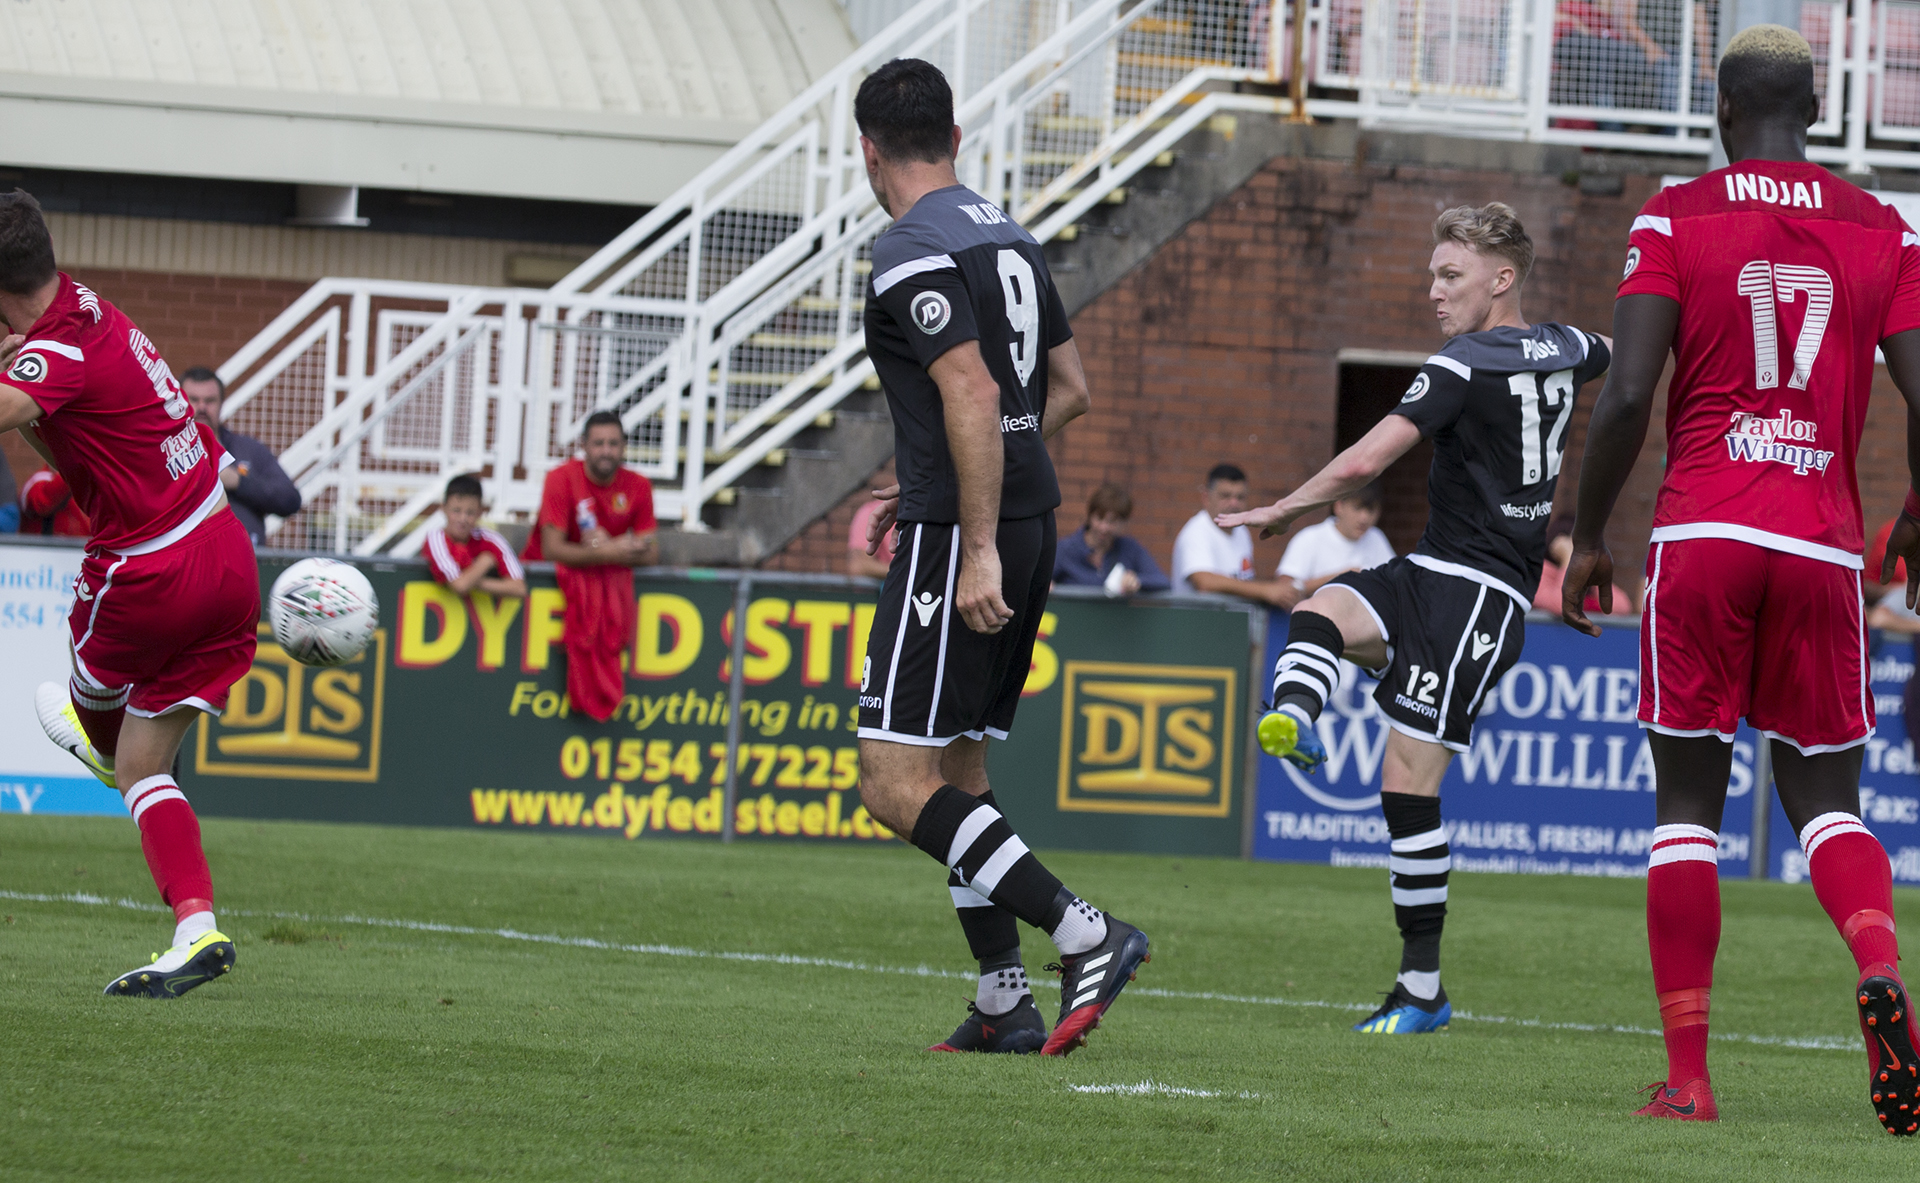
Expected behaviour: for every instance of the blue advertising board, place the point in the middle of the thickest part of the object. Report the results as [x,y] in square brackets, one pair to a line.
[1889,784]
[1558,779]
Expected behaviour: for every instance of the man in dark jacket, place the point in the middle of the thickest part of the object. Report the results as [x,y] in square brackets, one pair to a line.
[1089,556]
[256,485]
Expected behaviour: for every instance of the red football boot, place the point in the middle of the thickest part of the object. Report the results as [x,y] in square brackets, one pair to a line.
[1692,1101]
[1893,1073]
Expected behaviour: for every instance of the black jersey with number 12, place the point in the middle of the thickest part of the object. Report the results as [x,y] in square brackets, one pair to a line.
[957,269]
[1496,405]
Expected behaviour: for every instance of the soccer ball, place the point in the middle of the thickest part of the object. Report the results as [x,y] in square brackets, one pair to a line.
[323,611]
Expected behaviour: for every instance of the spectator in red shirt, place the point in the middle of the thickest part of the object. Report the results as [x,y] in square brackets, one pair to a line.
[596,524]
[465,555]
[47,507]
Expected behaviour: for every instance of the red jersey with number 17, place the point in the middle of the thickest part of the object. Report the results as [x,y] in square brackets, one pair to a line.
[121,433]
[1787,279]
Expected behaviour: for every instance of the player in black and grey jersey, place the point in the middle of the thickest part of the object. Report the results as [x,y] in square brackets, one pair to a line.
[973,349]
[1439,626]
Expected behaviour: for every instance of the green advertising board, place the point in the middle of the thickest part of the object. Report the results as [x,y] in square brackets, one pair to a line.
[1132,736]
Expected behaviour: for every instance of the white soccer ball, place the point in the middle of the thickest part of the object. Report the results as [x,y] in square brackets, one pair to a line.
[323,611]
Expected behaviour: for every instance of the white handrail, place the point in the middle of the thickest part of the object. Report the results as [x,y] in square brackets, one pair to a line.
[724,321]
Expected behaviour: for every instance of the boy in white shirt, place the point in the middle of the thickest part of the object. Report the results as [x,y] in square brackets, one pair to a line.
[1348,540]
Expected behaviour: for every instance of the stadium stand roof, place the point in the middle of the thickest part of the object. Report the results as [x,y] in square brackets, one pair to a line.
[590,100]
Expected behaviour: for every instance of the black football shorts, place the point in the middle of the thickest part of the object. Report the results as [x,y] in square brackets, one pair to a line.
[1449,639]
[929,679]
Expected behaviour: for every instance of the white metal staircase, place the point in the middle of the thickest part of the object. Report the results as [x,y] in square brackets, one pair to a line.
[728,319]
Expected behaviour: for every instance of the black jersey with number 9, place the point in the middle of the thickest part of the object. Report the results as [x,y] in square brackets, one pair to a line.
[957,269]
[1496,405]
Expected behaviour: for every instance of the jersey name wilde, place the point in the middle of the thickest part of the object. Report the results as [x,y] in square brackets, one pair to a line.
[1787,277]
[957,269]
[1496,405]
[121,432]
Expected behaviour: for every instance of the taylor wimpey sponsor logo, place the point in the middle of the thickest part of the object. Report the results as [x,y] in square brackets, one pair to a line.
[1754,187]
[1782,440]
[183,449]
[1528,513]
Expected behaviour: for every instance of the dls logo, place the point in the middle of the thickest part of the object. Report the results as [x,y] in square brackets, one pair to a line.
[1148,739]
[284,719]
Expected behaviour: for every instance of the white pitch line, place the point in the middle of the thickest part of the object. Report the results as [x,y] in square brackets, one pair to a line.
[1150,1088]
[1813,1043]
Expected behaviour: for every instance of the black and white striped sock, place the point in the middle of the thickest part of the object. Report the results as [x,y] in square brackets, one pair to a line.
[971,838]
[993,936]
[1417,868]
[1308,671]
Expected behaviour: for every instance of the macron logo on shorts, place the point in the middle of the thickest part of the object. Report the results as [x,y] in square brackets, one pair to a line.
[924,606]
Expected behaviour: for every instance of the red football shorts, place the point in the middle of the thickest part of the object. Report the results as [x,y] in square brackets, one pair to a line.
[176,625]
[1733,630]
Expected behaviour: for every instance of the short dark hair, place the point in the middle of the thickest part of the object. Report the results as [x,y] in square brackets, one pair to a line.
[464,485]
[906,108]
[601,419]
[26,246]
[1111,500]
[1367,496]
[203,374]
[1767,73]
[1225,472]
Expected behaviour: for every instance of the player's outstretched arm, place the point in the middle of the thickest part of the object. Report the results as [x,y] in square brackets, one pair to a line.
[1643,329]
[1349,472]
[1067,395]
[970,401]
[1903,366]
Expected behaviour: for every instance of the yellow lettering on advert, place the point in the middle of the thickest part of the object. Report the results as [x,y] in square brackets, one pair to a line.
[680,617]
[338,691]
[743,818]
[607,808]
[658,802]
[522,696]
[707,812]
[767,804]
[273,699]
[527,807]
[489,806]
[821,619]
[769,652]
[636,815]
[418,600]
[564,808]
[786,817]
[813,819]
[1189,739]
[862,822]
[1150,698]
[546,627]
[680,815]
[1101,747]
[492,619]
[1045,668]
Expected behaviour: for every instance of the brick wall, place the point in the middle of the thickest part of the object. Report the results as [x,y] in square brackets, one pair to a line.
[195,320]
[1224,345]
[822,547]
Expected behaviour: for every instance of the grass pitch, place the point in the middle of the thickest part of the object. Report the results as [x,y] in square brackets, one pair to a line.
[343,1048]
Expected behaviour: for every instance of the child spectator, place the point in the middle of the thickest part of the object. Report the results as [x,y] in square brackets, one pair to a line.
[1089,556]
[465,555]
[1348,540]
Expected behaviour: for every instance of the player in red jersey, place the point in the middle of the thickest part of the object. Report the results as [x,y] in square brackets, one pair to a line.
[1772,281]
[465,555]
[168,598]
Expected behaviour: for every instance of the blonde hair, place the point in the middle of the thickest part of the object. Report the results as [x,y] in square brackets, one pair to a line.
[1770,43]
[1490,229]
